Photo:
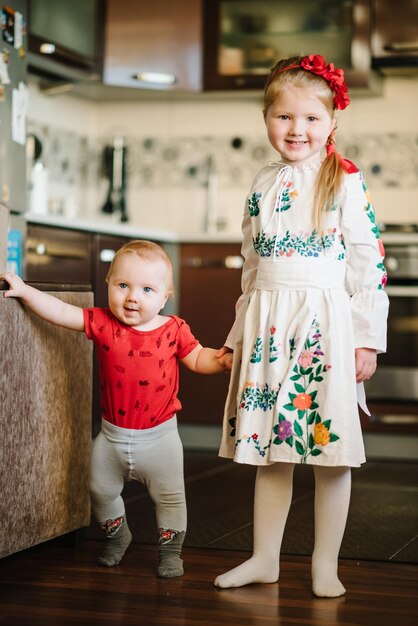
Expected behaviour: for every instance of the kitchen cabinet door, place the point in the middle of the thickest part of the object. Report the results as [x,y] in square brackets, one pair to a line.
[395,33]
[58,255]
[153,38]
[65,38]
[210,284]
[243,39]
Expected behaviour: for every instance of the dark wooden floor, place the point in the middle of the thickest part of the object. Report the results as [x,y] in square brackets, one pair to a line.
[60,585]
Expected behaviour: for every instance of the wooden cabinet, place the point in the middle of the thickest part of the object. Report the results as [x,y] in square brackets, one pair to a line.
[209,45]
[395,33]
[58,255]
[159,39]
[210,284]
[45,426]
[65,38]
[243,40]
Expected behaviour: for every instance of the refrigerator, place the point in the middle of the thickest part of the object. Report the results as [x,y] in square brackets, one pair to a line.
[13,117]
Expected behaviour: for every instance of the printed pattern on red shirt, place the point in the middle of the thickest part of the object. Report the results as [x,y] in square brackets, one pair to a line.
[139,372]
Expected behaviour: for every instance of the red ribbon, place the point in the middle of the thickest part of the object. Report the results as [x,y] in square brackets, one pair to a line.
[347,165]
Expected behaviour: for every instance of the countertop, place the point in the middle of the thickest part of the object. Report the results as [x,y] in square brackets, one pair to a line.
[109,226]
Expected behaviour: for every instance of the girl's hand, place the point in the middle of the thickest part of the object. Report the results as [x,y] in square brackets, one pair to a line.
[17,287]
[225,357]
[366,361]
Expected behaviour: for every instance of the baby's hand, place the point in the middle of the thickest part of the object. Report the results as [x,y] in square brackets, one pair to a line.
[225,358]
[366,361]
[17,286]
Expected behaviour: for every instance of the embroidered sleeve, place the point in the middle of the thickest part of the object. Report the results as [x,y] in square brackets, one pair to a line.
[249,272]
[366,274]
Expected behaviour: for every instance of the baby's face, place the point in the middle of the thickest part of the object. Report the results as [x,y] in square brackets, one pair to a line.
[137,290]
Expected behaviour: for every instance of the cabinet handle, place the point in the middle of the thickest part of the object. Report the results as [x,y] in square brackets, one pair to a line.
[402,291]
[401,46]
[107,255]
[41,250]
[230,262]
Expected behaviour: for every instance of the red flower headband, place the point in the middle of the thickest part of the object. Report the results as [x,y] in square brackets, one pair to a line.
[316,64]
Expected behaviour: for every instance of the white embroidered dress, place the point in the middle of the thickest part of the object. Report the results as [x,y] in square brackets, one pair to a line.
[309,299]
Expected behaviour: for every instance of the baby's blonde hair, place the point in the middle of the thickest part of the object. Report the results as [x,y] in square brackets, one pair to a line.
[146,250]
[331,174]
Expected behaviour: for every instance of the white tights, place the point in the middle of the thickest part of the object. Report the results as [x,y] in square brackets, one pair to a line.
[273,496]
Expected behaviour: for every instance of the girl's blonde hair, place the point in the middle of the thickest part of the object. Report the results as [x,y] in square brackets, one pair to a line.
[331,173]
[146,250]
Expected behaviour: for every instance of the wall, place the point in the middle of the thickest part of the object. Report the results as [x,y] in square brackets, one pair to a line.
[169,142]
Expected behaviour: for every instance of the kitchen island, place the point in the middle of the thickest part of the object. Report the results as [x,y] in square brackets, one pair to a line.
[45,424]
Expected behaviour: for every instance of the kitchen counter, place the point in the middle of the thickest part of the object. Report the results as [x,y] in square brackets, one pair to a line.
[45,424]
[109,226]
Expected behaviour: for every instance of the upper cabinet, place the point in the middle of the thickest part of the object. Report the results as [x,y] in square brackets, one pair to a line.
[209,45]
[395,34]
[154,45]
[243,39]
[65,38]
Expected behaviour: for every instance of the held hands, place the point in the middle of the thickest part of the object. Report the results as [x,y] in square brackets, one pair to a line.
[366,361]
[225,357]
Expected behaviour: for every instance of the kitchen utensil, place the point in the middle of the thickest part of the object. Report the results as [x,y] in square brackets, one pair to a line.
[114,161]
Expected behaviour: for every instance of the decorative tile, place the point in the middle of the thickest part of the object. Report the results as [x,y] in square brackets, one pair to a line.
[387,160]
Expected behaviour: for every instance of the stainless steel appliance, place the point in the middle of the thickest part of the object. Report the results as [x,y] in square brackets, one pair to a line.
[396,378]
[13,110]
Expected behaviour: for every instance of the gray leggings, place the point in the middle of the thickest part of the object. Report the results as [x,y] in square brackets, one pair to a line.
[154,457]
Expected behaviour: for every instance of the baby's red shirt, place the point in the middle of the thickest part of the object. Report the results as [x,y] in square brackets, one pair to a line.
[139,373]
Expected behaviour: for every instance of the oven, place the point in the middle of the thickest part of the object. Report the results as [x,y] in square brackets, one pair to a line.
[396,378]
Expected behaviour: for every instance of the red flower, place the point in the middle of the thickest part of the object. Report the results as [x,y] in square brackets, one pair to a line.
[316,64]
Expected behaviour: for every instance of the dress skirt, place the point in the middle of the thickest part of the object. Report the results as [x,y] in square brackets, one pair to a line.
[293,391]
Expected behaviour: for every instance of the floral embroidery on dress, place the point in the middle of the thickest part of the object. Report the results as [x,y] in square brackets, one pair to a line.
[274,348]
[257,351]
[286,197]
[384,279]
[253,439]
[369,208]
[304,244]
[375,230]
[253,204]
[255,396]
[307,433]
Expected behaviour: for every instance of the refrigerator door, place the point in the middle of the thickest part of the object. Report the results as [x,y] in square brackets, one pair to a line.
[13,105]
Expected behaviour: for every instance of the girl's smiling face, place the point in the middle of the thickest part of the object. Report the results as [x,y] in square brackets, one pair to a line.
[298,124]
[137,290]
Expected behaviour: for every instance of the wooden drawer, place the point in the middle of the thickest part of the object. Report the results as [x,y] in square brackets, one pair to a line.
[58,255]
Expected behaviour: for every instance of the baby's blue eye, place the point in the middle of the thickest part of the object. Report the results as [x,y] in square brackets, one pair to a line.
[147,289]
[123,285]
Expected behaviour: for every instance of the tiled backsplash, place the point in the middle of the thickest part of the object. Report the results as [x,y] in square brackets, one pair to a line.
[154,164]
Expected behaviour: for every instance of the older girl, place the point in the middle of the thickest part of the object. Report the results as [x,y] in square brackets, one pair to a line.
[310,321]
